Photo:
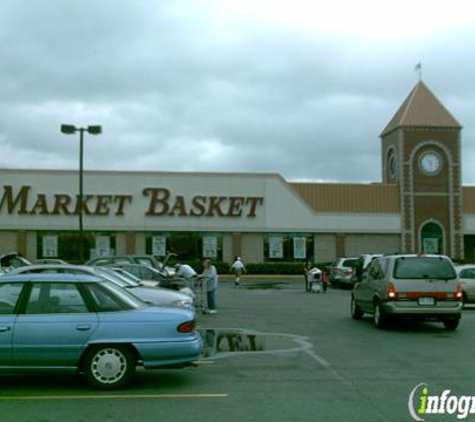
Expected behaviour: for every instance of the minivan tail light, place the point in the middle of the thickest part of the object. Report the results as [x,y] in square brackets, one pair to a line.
[187,327]
[392,293]
[458,295]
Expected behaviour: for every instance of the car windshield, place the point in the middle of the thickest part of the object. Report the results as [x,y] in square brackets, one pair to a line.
[468,273]
[423,268]
[125,296]
[126,274]
[349,263]
[144,261]
[110,275]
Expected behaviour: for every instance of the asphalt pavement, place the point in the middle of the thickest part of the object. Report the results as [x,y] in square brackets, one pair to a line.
[272,353]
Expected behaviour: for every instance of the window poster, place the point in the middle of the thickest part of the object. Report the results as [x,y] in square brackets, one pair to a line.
[300,247]
[159,245]
[50,246]
[276,247]
[431,245]
[210,246]
[103,246]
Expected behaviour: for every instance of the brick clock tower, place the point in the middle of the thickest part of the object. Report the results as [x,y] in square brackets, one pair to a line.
[421,154]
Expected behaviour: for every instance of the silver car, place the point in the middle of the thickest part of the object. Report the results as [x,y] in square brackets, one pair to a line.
[154,295]
[467,279]
[341,272]
[416,286]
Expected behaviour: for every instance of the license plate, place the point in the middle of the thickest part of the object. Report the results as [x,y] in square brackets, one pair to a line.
[426,301]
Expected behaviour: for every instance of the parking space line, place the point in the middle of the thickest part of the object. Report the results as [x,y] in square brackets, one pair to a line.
[115,396]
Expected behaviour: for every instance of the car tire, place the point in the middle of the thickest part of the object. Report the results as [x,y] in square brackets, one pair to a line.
[107,367]
[356,312]
[379,317]
[464,299]
[451,324]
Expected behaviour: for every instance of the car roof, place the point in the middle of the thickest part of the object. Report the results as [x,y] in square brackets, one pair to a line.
[130,264]
[51,277]
[51,267]
[464,267]
[417,256]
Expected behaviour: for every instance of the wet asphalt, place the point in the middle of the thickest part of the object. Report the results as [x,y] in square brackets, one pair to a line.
[272,353]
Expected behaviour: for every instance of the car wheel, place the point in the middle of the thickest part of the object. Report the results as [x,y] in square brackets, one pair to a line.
[379,317]
[451,324]
[109,367]
[356,312]
[464,299]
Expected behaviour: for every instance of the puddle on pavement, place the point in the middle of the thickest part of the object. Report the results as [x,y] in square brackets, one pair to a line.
[265,286]
[216,342]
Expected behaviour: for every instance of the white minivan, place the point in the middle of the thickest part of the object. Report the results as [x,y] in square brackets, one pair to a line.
[423,287]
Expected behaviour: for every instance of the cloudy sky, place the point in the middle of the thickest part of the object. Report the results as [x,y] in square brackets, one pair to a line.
[300,88]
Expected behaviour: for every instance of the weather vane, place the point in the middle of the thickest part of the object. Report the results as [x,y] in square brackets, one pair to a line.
[418,69]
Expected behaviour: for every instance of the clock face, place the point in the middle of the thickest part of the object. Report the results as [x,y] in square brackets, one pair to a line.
[430,163]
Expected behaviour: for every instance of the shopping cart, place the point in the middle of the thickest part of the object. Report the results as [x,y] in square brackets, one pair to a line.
[315,281]
[199,287]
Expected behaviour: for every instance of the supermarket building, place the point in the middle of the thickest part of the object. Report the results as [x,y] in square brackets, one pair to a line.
[420,206]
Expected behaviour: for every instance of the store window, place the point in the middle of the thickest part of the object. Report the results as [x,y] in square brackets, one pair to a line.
[65,245]
[288,247]
[188,246]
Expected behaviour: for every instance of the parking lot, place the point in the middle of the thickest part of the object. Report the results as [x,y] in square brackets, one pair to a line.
[305,359]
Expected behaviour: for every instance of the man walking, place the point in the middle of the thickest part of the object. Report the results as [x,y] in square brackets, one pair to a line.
[238,268]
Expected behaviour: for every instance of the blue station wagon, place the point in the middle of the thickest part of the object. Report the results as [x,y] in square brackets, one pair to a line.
[82,323]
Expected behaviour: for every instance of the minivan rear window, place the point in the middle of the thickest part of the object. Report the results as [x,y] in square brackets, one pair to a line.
[424,268]
[349,263]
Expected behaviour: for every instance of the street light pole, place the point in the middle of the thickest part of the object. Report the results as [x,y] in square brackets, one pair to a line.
[69,130]
[81,194]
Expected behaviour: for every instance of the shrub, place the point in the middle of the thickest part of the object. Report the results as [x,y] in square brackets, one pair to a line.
[267,268]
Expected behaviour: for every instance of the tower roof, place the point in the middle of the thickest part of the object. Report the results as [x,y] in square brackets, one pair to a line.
[421,108]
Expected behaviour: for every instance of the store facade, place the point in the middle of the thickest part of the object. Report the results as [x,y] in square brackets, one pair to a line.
[421,206]
[258,216]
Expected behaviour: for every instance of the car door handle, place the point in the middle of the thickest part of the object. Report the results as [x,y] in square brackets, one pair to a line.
[5,328]
[83,327]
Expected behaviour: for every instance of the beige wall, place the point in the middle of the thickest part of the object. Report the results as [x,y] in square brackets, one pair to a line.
[31,243]
[324,247]
[357,244]
[8,242]
[140,243]
[227,247]
[253,247]
[120,242]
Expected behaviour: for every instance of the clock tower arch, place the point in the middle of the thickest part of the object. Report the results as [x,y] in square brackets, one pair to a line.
[421,154]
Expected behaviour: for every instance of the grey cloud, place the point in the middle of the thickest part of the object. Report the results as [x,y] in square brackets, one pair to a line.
[176,91]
